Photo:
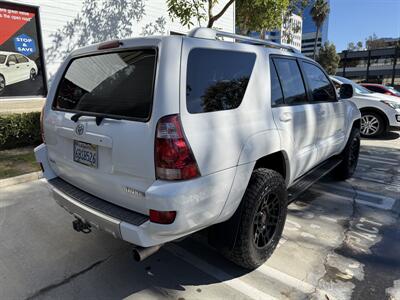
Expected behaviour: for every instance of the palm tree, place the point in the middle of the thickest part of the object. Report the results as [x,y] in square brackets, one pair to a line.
[319,12]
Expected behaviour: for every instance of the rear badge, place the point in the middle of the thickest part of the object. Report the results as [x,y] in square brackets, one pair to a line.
[133,192]
[79,129]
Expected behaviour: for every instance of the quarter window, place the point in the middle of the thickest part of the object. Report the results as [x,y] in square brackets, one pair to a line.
[321,88]
[22,59]
[289,74]
[217,79]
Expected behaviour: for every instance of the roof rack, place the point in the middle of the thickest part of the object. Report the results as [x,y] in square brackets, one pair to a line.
[212,34]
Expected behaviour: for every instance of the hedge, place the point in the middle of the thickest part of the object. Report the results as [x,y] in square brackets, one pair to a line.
[19,130]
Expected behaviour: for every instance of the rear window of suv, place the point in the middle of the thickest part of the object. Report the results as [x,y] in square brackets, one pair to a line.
[116,84]
[217,79]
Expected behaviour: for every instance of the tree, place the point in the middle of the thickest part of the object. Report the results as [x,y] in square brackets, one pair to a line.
[351,46]
[359,45]
[186,10]
[319,13]
[256,15]
[260,15]
[328,58]
[373,42]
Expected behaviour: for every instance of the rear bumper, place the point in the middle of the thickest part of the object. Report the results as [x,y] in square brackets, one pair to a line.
[198,204]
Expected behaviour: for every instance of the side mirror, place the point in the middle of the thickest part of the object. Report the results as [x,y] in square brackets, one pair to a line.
[11,63]
[346,91]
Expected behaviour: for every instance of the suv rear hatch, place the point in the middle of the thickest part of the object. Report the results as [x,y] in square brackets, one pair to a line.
[99,132]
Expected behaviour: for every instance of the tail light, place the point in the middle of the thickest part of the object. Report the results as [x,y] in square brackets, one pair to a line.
[41,124]
[174,160]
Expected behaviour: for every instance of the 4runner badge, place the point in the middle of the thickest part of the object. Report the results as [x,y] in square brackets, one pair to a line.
[79,129]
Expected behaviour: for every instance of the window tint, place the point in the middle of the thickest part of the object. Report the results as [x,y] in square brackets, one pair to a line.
[293,88]
[321,87]
[276,90]
[2,59]
[21,59]
[217,79]
[375,89]
[115,84]
[12,58]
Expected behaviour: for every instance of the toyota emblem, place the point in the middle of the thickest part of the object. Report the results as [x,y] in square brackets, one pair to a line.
[79,129]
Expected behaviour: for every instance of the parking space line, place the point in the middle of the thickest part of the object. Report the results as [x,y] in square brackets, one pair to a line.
[286,279]
[383,202]
[380,160]
[234,283]
[378,157]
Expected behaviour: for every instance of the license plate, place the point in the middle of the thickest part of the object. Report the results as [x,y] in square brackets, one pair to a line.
[85,154]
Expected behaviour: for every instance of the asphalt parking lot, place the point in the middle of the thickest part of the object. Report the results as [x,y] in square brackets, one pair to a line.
[341,241]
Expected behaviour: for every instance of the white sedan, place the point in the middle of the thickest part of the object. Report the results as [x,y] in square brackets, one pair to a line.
[379,112]
[15,67]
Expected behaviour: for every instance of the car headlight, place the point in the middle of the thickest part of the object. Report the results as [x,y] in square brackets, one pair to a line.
[392,104]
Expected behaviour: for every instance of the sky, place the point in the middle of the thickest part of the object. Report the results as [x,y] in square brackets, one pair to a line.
[355,20]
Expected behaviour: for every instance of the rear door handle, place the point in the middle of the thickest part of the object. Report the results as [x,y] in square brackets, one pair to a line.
[286,117]
[322,112]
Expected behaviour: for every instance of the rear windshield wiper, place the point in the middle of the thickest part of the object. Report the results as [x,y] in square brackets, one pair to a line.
[99,119]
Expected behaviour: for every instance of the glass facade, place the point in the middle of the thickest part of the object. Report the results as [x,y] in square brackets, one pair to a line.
[309,25]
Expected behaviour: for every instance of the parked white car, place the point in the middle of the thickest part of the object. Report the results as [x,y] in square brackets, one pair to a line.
[152,139]
[379,112]
[15,67]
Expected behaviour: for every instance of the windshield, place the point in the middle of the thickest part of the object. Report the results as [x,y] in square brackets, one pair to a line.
[115,84]
[393,90]
[358,88]
[2,58]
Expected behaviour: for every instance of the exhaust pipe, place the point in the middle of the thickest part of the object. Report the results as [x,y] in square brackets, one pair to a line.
[141,253]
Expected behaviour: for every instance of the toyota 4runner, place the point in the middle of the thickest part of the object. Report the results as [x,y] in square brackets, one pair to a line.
[152,139]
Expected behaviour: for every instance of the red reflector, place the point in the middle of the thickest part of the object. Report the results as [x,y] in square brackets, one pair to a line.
[162,217]
[109,45]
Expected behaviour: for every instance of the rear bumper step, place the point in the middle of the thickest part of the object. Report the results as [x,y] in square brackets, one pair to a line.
[93,210]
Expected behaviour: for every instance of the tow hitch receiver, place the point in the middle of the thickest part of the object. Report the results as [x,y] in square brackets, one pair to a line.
[81,226]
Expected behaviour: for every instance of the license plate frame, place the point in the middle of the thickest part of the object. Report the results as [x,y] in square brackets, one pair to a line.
[86,154]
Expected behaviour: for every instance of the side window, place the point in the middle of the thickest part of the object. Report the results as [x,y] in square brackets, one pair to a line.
[276,90]
[21,59]
[12,58]
[289,74]
[217,79]
[375,89]
[321,88]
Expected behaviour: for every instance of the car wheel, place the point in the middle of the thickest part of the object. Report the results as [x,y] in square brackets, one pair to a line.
[263,214]
[372,124]
[2,84]
[349,157]
[32,74]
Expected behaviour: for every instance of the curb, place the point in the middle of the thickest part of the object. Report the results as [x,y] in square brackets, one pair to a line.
[20,179]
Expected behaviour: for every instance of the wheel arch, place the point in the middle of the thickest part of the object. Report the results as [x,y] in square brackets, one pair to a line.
[378,111]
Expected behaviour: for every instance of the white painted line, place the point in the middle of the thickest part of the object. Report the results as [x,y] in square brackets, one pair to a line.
[298,284]
[234,283]
[380,161]
[378,157]
[385,203]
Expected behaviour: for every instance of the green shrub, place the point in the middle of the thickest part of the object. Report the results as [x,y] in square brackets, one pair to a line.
[19,130]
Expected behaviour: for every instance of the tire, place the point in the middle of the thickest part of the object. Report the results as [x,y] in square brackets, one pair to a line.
[372,124]
[349,157]
[265,187]
[2,84]
[32,74]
